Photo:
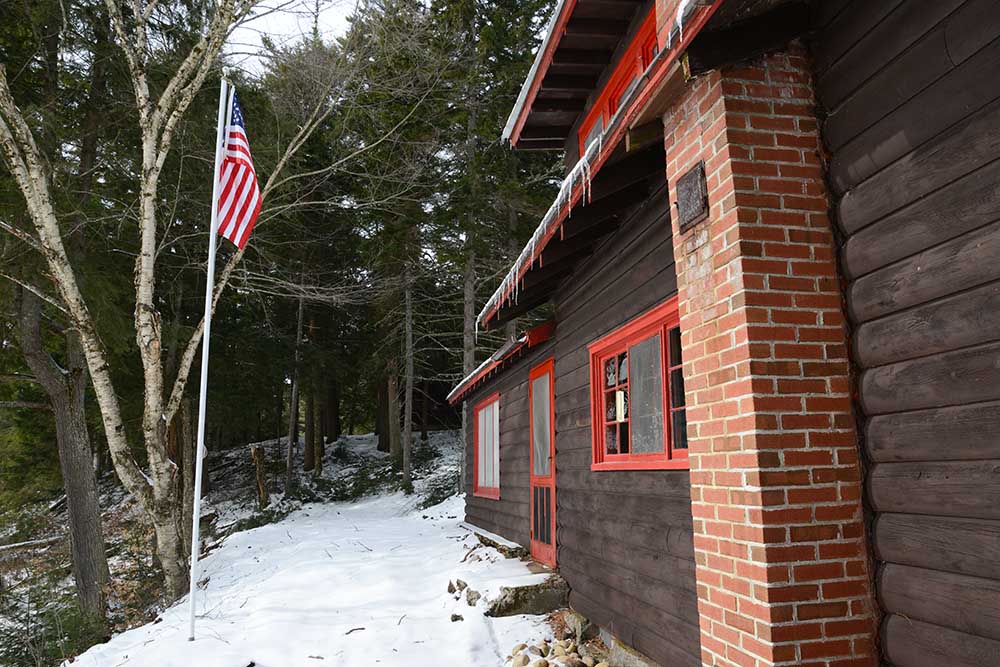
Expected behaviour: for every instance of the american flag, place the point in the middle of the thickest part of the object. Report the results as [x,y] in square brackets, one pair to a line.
[239,201]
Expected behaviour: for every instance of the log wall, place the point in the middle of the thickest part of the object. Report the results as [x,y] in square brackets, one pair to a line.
[624,539]
[508,516]
[912,102]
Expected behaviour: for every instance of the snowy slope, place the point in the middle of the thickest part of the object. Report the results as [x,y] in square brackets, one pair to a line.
[346,584]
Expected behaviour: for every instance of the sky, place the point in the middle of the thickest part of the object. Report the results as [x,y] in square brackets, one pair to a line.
[285,21]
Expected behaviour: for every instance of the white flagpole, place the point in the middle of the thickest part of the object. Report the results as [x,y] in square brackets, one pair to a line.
[225,103]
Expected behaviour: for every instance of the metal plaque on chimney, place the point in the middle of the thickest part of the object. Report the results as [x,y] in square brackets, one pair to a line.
[692,197]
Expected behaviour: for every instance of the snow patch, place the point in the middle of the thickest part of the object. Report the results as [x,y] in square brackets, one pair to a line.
[346,584]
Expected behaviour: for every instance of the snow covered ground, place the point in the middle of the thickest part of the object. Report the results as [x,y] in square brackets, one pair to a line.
[347,584]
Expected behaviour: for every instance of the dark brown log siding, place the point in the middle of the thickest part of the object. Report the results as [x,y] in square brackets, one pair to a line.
[912,99]
[624,538]
[625,544]
[509,516]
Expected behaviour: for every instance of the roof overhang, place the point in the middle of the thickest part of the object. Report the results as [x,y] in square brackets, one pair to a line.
[579,43]
[662,81]
[503,357]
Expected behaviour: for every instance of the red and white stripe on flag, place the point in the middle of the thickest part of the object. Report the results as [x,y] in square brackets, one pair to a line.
[239,201]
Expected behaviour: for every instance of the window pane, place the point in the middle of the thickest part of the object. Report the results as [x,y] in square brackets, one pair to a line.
[488,447]
[646,383]
[623,439]
[680,429]
[675,346]
[676,388]
[610,372]
[611,438]
[495,479]
[481,448]
[609,406]
[623,367]
[541,430]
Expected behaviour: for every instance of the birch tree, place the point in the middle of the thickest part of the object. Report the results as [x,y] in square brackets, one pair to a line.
[161,102]
[50,350]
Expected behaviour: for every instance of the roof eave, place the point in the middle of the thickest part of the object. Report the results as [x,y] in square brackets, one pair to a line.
[699,12]
[517,117]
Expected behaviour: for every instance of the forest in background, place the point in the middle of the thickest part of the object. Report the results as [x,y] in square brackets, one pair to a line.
[390,212]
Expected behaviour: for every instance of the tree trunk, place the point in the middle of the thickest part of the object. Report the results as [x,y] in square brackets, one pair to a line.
[67,394]
[170,546]
[468,347]
[257,454]
[189,444]
[392,421]
[425,406]
[309,453]
[279,409]
[322,422]
[293,420]
[333,428]
[319,448]
[90,565]
[510,329]
[382,416]
[408,385]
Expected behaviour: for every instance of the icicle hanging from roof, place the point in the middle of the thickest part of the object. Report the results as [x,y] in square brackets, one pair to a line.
[509,286]
[582,169]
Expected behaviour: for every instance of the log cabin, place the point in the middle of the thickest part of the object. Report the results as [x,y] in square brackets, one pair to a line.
[763,425]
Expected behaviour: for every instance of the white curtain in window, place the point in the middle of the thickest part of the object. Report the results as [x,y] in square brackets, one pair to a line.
[646,383]
[495,480]
[488,432]
[481,444]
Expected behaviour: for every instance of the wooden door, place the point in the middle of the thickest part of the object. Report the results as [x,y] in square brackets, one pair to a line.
[542,440]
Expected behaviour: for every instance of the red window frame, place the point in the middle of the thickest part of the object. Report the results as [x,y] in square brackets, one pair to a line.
[658,320]
[491,492]
[637,57]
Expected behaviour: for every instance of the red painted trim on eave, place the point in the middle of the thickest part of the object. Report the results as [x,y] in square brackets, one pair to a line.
[558,28]
[540,334]
[655,79]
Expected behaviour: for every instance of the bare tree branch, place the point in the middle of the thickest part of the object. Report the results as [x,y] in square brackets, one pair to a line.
[36,291]
[20,235]
[24,405]
[17,377]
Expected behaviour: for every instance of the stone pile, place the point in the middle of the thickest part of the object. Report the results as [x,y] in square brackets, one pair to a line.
[560,653]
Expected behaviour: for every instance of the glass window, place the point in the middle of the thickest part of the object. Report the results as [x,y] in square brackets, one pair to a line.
[487,450]
[647,396]
[678,415]
[637,394]
[541,424]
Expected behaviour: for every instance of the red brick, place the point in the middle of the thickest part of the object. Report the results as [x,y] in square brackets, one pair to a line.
[766,371]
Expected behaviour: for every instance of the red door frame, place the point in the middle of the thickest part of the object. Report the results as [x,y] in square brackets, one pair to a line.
[540,550]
